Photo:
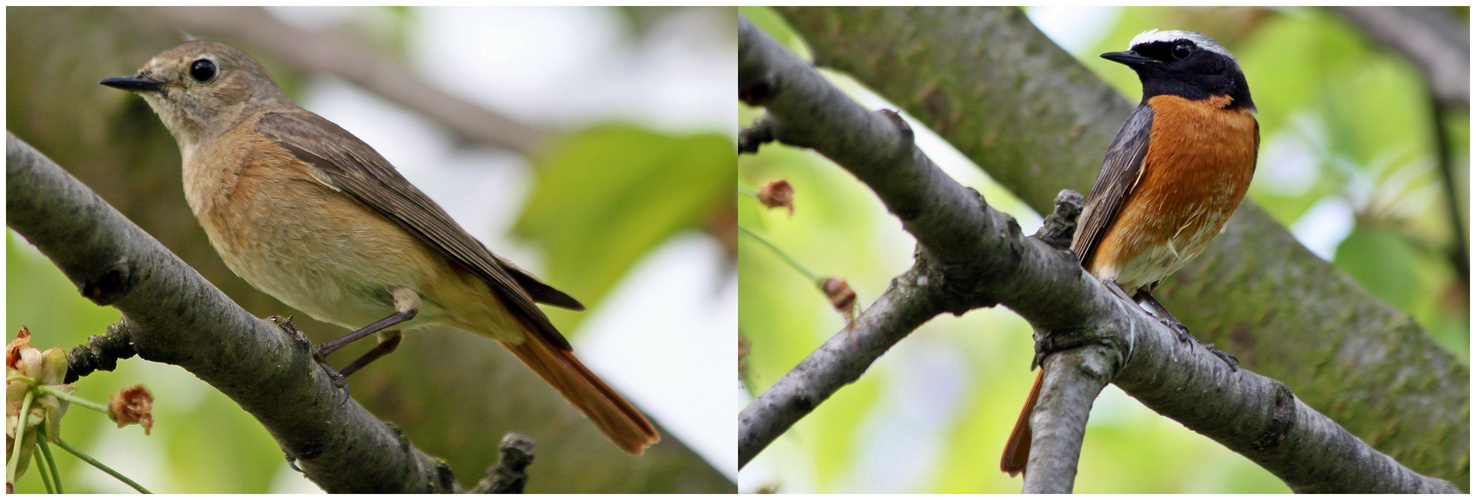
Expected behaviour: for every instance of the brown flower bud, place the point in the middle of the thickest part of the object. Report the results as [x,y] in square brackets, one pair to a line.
[777,194]
[48,368]
[841,297]
[133,405]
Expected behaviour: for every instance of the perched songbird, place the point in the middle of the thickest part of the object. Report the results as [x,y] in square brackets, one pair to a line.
[308,213]
[1176,171]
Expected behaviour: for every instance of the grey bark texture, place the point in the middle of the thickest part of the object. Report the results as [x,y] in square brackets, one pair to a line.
[444,388]
[1026,274]
[172,315]
[1073,380]
[1000,91]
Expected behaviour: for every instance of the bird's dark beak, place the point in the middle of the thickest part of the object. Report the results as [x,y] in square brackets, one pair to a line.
[1129,58]
[136,83]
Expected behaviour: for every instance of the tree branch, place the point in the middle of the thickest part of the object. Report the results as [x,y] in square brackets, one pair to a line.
[838,362]
[172,315]
[378,73]
[1026,274]
[510,474]
[1441,49]
[1000,91]
[1437,45]
[1073,379]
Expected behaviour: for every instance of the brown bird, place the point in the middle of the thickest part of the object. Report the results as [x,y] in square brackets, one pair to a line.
[306,212]
[1177,169]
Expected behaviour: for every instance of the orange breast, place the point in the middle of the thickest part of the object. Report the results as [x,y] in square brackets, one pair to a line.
[1199,164]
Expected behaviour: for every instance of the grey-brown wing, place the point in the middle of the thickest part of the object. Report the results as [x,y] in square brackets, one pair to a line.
[540,291]
[361,172]
[1114,182]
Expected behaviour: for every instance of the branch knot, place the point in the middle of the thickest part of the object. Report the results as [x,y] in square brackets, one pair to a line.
[110,285]
[1060,226]
[100,352]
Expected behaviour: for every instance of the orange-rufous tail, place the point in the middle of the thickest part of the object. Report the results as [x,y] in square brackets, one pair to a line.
[612,414]
[1017,450]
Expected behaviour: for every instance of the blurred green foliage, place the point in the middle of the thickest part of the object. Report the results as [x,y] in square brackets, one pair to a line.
[452,393]
[173,455]
[1358,110]
[607,195]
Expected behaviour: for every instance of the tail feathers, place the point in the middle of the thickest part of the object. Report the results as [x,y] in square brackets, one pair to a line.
[612,414]
[1017,450]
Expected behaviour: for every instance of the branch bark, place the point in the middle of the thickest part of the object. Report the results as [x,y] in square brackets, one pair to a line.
[378,73]
[1436,44]
[116,145]
[1441,49]
[172,315]
[1073,379]
[1041,282]
[1000,91]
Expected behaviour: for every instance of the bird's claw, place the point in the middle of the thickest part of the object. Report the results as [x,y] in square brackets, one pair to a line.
[284,323]
[1228,358]
[1180,331]
[339,380]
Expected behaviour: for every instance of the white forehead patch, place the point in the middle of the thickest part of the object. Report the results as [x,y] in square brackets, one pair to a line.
[1199,39]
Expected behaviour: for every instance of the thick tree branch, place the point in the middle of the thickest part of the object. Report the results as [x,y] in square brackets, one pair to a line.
[378,73]
[1441,49]
[937,210]
[1427,37]
[838,362]
[1000,91]
[1261,419]
[1073,379]
[173,315]
[1041,282]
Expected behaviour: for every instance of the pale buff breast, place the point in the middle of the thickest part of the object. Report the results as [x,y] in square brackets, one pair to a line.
[1185,194]
[318,250]
[296,239]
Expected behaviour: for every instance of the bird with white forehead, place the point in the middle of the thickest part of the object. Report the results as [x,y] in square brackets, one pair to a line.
[1174,174]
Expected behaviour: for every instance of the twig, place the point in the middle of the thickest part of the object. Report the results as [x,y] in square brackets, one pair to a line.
[814,278]
[761,132]
[996,88]
[100,352]
[101,466]
[970,256]
[839,361]
[172,315]
[45,471]
[55,471]
[12,462]
[510,474]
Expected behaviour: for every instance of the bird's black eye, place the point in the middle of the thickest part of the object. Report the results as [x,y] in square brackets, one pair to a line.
[202,70]
[1183,49]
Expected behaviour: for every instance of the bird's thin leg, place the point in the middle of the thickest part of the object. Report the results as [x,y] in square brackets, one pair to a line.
[1168,320]
[1117,290]
[1164,316]
[407,304]
[388,341]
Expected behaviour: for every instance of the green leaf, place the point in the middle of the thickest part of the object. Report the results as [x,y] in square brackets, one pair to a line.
[1379,258]
[607,195]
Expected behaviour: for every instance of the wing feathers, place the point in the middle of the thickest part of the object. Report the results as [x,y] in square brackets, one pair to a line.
[1120,172]
[356,169]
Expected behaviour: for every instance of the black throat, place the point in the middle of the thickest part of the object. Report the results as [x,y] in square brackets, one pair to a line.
[1203,75]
